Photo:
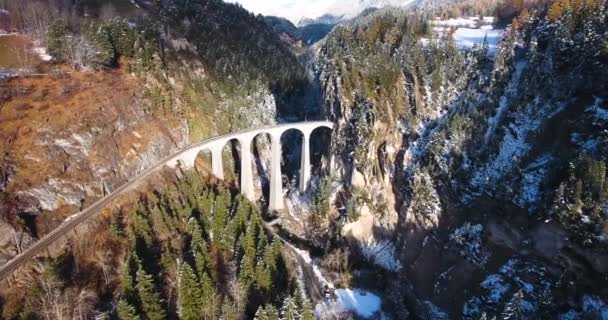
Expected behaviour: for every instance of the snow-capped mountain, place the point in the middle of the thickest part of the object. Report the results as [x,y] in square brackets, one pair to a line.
[345,9]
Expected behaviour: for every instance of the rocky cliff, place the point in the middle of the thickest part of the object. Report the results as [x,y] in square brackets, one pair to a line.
[470,170]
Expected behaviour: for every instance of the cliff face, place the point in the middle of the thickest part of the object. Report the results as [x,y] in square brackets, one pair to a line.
[470,160]
[68,140]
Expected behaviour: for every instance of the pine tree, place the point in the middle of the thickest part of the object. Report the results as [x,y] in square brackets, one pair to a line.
[514,309]
[190,294]
[209,297]
[249,243]
[103,40]
[126,311]
[220,216]
[261,314]
[290,311]
[127,283]
[230,311]
[272,312]
[150,299]
[307,312]
[202,260]
[56,39]
[268,312]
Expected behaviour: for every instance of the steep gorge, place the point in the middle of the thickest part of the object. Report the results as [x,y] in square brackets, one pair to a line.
[464,158]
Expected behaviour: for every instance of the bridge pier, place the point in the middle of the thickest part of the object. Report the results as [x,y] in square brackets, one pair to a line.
[275,203]
[247,187]
[305,166]
[216,161]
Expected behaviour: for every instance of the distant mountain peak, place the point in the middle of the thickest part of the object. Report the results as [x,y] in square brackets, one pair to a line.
[346,9]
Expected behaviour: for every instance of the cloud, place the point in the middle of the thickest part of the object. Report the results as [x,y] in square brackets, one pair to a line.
[293,10]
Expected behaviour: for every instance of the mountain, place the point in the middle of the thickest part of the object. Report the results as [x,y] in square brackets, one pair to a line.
[307,33]
[341,10]
[329,19]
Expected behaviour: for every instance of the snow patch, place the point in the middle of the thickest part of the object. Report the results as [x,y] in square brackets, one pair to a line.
[382,253]
[434,312]
[364,303]
[497,287]
[597,111]
[466,38]
[42,52]
[514,146]
[533,177]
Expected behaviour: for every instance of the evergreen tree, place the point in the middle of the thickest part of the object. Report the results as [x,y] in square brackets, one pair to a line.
[106,55]
[56,39]
[190,294]
[514,309]
[307,311]
[261,314]
[127,283]
[268,312]
[220,216]
[126,311]
[230,311]
[209,297]
[272,312]
[290,311]
[150,299]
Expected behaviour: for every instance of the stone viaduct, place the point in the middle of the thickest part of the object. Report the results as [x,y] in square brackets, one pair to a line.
[186,158]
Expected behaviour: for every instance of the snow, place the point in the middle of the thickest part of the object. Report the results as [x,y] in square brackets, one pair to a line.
[597,111]
[42,53]
[497,287]
[468,239]
[382,253]
[514,146]
[503,104]
[466,38]
[305,255]
[471,308]
[299,206]
[135,4]
[364,303]
[468,32]
[459,22]
[533,177]
[593,307]
[434,312]
[297,10]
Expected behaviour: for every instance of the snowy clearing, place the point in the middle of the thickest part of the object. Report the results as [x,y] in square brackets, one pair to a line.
[463,22]
[466,38]
[364,303]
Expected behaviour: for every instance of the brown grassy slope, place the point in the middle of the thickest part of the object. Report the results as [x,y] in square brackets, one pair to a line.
[74,133]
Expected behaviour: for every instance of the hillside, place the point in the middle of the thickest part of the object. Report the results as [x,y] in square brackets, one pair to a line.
[470,158]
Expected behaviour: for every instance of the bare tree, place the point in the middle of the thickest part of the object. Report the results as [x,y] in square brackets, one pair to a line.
[23,56]
[102,259]
[52,301]
[80,53]
[85,304]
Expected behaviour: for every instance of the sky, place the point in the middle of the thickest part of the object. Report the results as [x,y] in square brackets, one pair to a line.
[293,10]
